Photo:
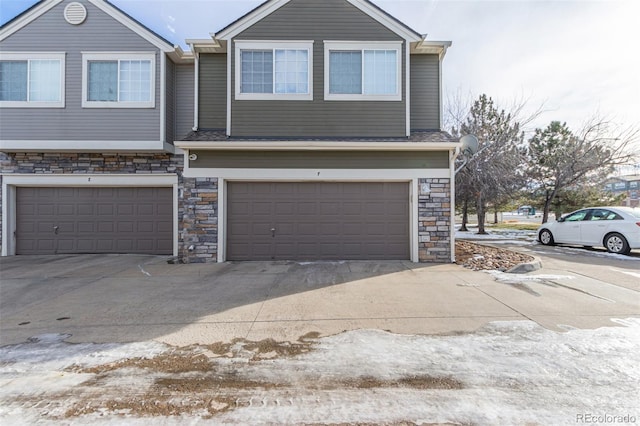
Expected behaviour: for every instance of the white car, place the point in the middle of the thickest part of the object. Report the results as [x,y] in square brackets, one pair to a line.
[615,228]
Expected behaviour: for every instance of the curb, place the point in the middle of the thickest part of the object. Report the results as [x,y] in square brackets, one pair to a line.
[524,268]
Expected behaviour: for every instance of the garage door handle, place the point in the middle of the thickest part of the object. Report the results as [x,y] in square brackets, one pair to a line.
[55,229]
[273,232]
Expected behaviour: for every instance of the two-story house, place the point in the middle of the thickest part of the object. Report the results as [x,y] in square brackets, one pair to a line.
[315,135]
[88,115]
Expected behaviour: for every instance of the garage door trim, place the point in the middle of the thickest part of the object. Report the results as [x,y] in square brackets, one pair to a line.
[11,182]
[413,208]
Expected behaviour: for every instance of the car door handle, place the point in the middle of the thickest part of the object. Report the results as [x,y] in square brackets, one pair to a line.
[55,229]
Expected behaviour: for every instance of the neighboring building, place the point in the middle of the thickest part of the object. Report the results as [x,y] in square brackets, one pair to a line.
[628,185]
[305,130]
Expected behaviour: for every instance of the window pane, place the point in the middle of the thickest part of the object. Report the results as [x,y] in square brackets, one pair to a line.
[345,72]
[103,81]
[292,71]
[135,81]
[380,72]
[13,80]
[44,80]
[257,71]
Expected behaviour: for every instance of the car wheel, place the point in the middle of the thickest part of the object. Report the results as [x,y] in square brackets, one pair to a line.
[616,243]
[546,237]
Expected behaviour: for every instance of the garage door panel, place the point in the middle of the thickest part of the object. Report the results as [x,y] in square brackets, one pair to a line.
[86,227]
[45,210]
[319,220]
[94,220]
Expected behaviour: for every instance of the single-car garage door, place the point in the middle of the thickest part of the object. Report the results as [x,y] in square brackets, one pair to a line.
[94,220]
[317,220]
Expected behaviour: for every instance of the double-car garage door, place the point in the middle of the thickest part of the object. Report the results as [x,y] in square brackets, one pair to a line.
[317,220]
[94,220]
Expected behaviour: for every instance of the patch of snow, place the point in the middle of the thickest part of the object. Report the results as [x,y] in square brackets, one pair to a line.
[512,373]
[523,278]
[498,234]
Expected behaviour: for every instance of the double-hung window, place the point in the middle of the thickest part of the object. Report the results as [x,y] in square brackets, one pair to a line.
[32,80]
[118,80]
[363,71]
[274,70]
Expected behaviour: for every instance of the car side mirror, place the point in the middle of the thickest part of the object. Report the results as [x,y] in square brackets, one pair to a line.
[561,219]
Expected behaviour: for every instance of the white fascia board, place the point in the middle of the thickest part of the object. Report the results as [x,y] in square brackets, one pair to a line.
[386,20]
[84,146]
[101,179]
[133,26]
[28,18]
[318,175]
[318,146]
[250,19]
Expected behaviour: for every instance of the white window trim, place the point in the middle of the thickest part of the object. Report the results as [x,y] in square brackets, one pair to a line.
[117,56]
[268,45]
[28,56]
[355,45]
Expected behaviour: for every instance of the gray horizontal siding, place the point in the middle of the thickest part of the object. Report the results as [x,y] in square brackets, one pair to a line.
[212,100]
[425,92]
[99,32]
[318,20]
[321,160]
[184,100]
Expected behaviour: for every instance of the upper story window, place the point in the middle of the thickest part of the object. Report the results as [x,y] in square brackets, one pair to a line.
[274,70]
[29,80]
[118,80]
[363,71]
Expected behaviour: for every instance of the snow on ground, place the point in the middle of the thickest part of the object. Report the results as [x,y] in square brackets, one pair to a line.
[498,234]
[508,373]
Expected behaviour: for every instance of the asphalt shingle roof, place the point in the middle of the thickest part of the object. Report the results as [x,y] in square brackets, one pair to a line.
[422,136]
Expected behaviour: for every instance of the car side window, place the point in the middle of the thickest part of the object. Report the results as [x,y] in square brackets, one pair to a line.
[613,216]
[577,216]
[603,214]
[599,214]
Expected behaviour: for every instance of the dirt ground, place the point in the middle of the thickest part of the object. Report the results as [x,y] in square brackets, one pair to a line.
[203,380]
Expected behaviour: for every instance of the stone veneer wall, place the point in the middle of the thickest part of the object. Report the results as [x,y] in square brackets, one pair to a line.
[434,220]
[121,163]
[199,225]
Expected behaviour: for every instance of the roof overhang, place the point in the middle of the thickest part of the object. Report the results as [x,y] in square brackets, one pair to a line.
[317,146]
[207,45]
[432,47]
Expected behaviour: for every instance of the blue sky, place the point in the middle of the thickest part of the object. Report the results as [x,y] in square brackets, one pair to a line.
[577,58]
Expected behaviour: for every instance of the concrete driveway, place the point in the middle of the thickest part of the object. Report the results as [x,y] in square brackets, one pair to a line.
[125,298]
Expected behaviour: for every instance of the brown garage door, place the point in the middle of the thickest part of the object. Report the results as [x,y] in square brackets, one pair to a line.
[94,220]
[317,221]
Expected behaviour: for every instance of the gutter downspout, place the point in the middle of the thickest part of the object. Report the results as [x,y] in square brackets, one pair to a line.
[196,89]
[452,161]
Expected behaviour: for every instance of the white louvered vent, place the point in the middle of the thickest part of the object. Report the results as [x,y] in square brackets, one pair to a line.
[75,13]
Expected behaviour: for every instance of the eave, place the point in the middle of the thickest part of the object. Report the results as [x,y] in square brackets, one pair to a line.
[317,146]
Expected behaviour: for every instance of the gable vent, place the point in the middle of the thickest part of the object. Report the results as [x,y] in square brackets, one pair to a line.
[75,13]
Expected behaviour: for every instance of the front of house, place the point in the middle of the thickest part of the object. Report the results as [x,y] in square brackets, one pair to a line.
[305,130]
